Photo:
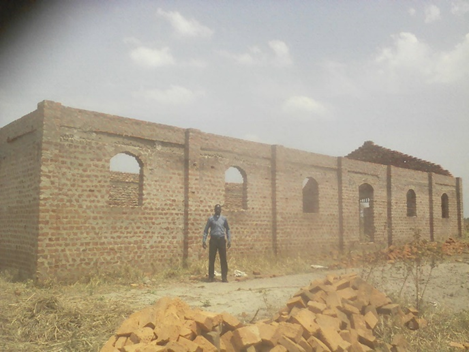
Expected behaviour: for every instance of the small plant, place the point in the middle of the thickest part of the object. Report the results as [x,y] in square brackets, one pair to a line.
[268,306]
[206,303]
[419,254]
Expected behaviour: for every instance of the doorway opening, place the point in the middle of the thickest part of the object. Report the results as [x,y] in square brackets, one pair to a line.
[366,211]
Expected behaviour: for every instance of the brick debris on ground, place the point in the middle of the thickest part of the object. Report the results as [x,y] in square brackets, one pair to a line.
[337,313]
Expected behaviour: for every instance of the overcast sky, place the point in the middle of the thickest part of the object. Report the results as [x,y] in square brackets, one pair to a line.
[320,76]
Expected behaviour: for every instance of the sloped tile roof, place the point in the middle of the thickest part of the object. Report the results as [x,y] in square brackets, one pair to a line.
[373,153]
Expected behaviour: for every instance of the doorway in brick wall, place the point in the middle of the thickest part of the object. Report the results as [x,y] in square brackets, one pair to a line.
[366,213]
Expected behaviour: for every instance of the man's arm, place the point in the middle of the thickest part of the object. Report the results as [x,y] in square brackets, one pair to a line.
[207,226]
[228,233]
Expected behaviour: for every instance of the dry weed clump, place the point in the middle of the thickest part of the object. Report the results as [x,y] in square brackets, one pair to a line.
[44,322]
[443,331]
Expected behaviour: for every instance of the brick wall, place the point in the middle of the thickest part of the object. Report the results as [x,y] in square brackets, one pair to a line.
[81,217]
[20,160]
[124,189]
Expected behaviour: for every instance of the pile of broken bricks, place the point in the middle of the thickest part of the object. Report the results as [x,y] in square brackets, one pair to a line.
[337,313]
[454,247]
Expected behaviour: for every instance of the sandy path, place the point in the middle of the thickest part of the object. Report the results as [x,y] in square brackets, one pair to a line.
[448,288]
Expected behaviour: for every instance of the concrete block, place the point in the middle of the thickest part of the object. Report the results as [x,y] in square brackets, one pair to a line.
[316,307]
[207,320]
[378,298]
[326,321]
[293,331]
[388,309]
[330,337]
[226,342]
[143,335]
[290,345]
[267,334]
[189,345]
[371,320]
[333,300]
[246,336]
[306,346]
[348,293]
[230,322]
[318,345]
[296,302]
[306,319]
[367,338]
[205,344]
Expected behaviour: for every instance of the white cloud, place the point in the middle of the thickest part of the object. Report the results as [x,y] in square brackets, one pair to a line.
[453,65]
[152,57]
[408,55]
[303,107]
[340,81]
[460,7]
[281,51]
[407,52]
[412,11]
[255,55]
[132,41]
[185,27]
[195,63]
[175,95]
[242,59]
[432,13]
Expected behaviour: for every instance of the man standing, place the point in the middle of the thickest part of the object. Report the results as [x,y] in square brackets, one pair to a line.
[218,225]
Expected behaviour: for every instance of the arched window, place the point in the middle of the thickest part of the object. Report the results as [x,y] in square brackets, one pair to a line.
[411,203]
[310,195]
[235,189]
[444,206]
[126,180]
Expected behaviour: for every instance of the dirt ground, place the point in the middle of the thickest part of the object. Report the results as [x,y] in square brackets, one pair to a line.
[256,298]
[104,306]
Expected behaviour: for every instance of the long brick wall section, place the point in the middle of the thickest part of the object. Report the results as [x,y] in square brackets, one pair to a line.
[64,214]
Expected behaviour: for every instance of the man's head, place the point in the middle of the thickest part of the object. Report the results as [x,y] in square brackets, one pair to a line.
[218,209]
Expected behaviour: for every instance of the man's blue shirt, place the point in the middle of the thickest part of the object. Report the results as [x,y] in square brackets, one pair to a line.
[217,224]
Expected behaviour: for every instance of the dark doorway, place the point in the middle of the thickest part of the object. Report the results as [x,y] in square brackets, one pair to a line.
[366,211]
[310,196]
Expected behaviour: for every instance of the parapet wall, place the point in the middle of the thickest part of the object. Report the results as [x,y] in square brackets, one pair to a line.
[82,217]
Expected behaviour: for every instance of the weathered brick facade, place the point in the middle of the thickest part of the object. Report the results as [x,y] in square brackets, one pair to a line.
[63,213]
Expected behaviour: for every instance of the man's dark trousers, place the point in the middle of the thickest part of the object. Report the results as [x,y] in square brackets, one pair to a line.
[217,244]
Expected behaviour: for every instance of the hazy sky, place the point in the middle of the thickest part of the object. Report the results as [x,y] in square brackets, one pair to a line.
[321,76]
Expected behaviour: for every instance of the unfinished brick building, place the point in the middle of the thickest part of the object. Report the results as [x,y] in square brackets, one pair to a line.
[64,212]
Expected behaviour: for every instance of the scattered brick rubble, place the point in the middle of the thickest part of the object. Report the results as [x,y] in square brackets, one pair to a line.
[408,251]
[453,247]
[338,313]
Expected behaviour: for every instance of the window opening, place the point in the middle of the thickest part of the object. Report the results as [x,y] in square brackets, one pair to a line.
[126,181]
[444,206]
[310,195]
[411,203]
[366,213]
[235,189]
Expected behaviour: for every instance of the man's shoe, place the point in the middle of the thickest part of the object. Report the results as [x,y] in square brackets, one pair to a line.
[211,279]
[224,279]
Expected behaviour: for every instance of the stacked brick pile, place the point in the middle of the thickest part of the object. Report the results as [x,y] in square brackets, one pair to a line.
[454,247]
[410,250]
[338,313]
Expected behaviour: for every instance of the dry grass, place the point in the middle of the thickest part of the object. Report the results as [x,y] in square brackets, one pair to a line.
[443,327]
[35,319]
[75,317]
